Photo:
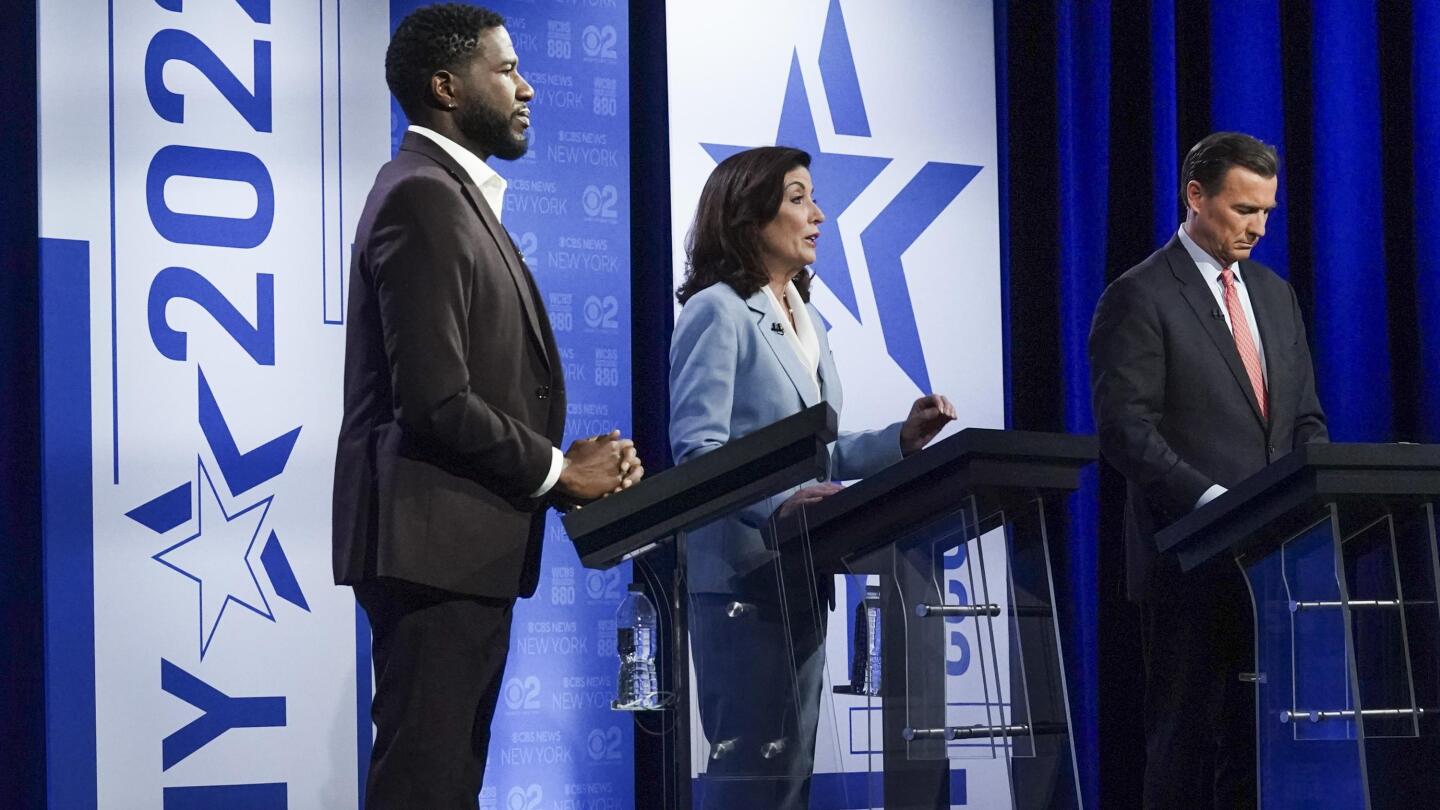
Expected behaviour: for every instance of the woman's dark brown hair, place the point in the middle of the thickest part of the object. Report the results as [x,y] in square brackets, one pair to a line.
[739,198]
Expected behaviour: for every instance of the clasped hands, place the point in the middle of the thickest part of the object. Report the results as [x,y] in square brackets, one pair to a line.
[598,466]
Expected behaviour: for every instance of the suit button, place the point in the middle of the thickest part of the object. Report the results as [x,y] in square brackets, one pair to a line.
[543,392]
[1271,450]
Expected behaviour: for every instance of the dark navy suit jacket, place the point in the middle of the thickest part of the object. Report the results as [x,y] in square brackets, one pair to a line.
[1174,407]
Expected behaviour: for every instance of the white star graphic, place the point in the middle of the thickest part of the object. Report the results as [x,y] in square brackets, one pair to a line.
[217,557]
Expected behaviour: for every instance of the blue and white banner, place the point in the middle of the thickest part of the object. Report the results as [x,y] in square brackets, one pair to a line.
[202,165]
[901,127]
[202,168]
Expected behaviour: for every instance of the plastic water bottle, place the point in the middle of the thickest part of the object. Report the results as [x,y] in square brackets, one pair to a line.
[873,640]
[635,632]
[866,661]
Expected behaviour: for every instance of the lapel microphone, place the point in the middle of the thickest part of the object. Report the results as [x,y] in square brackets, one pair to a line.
[777,329]
[1217,314]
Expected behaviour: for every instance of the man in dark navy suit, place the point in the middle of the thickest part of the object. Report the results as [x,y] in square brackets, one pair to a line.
[1201,376]
[454,405]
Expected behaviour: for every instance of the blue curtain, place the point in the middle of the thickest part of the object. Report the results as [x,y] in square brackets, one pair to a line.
[1100,102]
[1349,262]
[1425,86]
[1083,95]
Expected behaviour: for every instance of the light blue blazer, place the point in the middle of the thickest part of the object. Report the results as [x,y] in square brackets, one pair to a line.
[732,374]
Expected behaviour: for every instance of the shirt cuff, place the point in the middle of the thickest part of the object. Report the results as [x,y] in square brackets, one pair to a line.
[557,463]
[1210,494]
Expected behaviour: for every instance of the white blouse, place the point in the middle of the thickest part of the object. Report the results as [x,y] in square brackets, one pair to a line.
[802,338]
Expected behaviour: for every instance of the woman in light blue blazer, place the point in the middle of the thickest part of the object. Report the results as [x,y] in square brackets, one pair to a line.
[748,350]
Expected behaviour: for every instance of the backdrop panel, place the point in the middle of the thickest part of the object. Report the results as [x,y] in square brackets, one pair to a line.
[902,128]
[202,165]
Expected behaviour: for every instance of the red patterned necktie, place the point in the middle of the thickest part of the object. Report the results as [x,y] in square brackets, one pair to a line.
[1244,343]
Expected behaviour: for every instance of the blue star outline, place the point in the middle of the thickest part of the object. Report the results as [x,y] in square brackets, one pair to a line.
[203,476]
[840,178]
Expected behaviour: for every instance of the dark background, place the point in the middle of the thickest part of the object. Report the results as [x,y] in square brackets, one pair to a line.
[22,695]
[1098,102]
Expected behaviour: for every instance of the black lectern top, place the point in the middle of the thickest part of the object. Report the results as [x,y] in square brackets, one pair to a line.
[999,466]
[755,466]
[1272,504]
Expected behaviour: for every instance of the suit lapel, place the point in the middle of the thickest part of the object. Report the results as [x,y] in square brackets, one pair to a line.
[830,390]
[509,254]
[1196,292]
[766,322]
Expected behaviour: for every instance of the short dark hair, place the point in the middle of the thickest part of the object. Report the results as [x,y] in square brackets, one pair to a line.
[1217,153]
[739,198]
[428,40]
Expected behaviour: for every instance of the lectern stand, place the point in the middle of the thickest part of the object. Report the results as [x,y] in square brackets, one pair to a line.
[956,539]
[745,474]
[914,526]
[1338,544]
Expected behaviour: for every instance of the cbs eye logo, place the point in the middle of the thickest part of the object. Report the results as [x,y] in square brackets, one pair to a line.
[601,313]
[524,798]
[603,584]
[601,202]
[604,743]
[598,42]
[522,694]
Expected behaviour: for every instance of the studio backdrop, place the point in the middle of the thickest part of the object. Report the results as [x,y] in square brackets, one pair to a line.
[901,127]
[202,166]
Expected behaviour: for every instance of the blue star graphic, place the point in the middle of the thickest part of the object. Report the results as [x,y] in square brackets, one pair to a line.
[886,239]
[218,559]
[838,179]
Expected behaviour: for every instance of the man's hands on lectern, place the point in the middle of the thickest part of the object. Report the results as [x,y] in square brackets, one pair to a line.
[927,416]
[598,466]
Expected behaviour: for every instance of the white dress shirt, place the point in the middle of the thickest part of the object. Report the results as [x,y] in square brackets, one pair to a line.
[1210,269]
[492,188]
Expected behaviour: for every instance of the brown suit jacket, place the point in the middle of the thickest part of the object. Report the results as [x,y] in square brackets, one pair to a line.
[454,396]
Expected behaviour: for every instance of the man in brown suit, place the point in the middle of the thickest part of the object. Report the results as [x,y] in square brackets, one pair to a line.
[454,405]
